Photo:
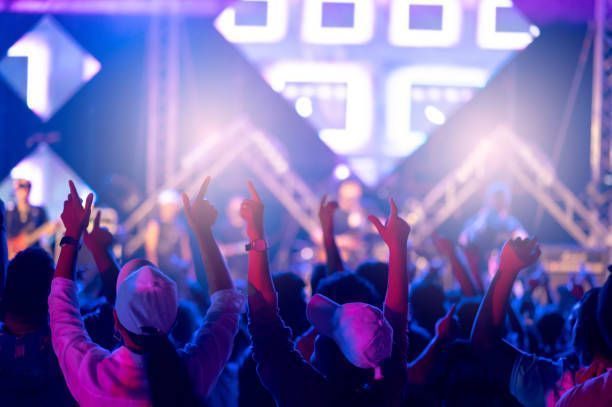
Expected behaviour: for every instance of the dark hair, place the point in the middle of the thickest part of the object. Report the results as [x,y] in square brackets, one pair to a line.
[588,340]
[466,314]
[28,283]
[291,301]
[169,381]
[604,310]
[377,273]
[550,326]
[345,287]
[319,272]
[427,304]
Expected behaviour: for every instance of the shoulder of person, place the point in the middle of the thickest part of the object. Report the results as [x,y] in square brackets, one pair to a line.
[592,392]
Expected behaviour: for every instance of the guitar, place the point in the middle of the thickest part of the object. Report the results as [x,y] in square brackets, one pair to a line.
[24,240]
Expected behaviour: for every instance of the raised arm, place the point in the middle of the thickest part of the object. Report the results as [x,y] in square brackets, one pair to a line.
[332,254]
[75,218]
[395,235]
[420,369]
[70,341]
[201,216]
[259,279]
[282,370]
[458,263]
[516,255]
[100,243]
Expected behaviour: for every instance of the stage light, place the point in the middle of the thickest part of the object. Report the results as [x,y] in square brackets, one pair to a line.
[303,106]
[434,115]
[342,172]
[306,253]
[400,33]
[361,31]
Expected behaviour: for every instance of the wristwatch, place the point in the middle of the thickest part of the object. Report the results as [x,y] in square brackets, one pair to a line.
[67,240]
[258,245]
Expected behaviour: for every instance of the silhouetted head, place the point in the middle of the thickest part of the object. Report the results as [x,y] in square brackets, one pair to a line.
[466,314]
[588,341]
[22,188]
[427,304]
[28,283]
[498,197]
[292,301]
[604,310]
[377,273]
[319,272]
[551,327]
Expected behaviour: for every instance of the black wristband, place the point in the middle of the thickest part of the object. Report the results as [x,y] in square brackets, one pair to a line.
[68,240]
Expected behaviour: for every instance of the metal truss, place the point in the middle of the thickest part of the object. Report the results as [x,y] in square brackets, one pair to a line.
[211,157]
[600,190]
[275,173]
[163,60]
[505,151]
[258,153]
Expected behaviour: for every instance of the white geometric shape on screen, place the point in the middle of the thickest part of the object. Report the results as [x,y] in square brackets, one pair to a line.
[401,139]
[49,175]
[487,35]
[360,32]
[359,109]
[372,169]
[273,31]
[46,67]
[402,35]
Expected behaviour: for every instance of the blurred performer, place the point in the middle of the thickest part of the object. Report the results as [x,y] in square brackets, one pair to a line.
[492,226]
[167,240]
[352,224]
[26,224]
[232,238]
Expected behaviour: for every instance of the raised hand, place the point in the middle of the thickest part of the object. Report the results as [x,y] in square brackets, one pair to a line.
[201,215]
[518,254]
[444,325]
[251,211]
[99,237]
[326,213]
[74,216]
[395,231]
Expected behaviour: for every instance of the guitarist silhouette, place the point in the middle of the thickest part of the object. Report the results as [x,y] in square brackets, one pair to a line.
[25,223]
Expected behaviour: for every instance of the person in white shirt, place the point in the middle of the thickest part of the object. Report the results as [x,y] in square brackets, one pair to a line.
[147,370]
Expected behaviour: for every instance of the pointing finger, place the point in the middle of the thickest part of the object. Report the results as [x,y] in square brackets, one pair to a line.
[203,189]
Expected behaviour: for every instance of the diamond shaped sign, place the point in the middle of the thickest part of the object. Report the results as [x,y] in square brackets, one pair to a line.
[46,67]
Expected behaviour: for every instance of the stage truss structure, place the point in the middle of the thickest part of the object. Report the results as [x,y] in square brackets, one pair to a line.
[254,149]
[532,172]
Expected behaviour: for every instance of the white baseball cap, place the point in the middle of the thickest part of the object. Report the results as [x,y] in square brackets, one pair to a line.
[360,330]
[147,300]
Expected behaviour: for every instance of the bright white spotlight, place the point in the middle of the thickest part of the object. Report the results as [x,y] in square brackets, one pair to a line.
[303,106]
[306,253]
[435,115]
[534,30]
[342,172]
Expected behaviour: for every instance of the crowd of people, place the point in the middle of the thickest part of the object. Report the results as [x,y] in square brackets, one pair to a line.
[374,336]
